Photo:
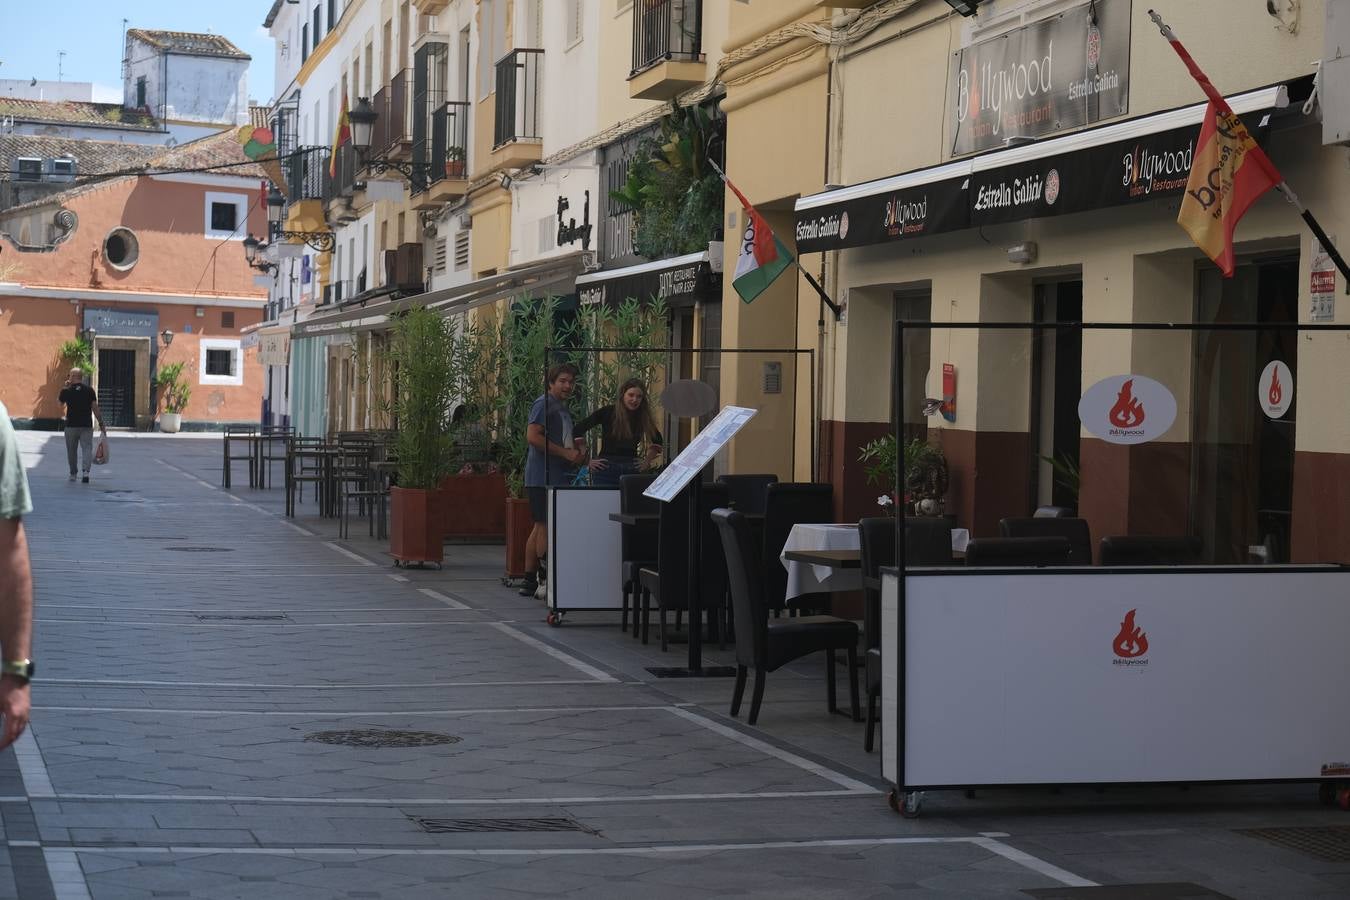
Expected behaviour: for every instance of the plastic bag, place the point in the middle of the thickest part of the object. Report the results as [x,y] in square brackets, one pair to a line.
[101,452]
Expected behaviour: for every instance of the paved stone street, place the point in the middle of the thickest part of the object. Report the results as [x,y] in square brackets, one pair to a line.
[195,648]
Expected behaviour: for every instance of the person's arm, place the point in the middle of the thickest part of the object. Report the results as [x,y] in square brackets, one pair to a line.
[538,439]
[64,396]
[594,419]
[16,626]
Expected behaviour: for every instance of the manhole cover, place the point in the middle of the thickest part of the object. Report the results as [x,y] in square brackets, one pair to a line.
[210,618]
[379,737]
[461,826]
[1326,842]
[201,549]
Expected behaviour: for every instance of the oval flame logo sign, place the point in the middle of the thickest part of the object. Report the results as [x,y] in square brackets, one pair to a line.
[1127,409]
[1131,640]
[1275,390]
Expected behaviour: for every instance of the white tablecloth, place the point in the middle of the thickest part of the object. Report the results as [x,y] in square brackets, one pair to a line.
[804,578]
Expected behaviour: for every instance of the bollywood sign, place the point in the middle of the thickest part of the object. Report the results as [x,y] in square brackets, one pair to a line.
[1068,70]
[1127,409]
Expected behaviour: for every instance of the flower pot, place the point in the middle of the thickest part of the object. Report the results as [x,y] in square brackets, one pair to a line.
[169,422]
[414,528]
[518,528]
[472,507]
[454,168]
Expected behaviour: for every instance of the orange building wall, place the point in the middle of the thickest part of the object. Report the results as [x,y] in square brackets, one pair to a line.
[31,331]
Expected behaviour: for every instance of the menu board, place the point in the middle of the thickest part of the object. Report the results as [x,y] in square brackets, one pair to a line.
[685,467]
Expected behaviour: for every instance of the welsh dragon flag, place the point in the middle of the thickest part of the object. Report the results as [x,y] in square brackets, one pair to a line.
[763,256]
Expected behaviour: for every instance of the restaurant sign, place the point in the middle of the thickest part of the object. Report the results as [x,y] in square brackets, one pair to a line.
[884,217]
[122,323]
[685,281]
[1068,70]
[274,349]
[1127,409]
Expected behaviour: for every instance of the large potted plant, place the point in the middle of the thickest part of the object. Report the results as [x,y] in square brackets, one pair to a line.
[472,496]
[421,354]
[454,162]
[924,488]
[174,393]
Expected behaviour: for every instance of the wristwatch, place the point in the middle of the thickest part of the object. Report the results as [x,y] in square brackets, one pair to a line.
[21,669]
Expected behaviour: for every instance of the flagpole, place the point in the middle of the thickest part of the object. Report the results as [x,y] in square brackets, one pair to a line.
[834,307]
[1282,186]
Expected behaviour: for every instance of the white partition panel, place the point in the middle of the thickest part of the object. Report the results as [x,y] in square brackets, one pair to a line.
[584,554]
[1119,677]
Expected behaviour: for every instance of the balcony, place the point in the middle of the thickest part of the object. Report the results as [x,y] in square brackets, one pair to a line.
[392,135]
[430,7]
[667,48]
[516,138]
[447,156]
[306,174]
[344,181]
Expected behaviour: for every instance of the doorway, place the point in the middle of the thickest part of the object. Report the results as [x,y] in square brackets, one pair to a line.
[1242,462]
[117,387]
[1057,384]
[912,362]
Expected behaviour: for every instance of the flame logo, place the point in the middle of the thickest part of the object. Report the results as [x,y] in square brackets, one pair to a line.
[1131,641]
[1276,393]
[1128,412]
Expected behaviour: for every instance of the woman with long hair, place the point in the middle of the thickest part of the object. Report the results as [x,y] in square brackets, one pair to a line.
[629,439]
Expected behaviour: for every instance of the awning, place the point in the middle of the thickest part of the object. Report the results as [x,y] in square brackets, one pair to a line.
[552,277]
[680,281]
[1124,162]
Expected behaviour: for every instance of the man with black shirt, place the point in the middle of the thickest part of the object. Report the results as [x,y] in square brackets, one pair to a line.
[81,410]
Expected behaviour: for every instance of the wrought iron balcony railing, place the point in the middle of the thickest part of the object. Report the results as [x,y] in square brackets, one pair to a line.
[519,75]
[666,30]
[306,171]
[393,104]
[450,141]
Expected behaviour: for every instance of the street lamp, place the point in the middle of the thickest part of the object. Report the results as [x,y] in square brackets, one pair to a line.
[322,241]
[276,202]
[362,118]
[88,334]
[166,336]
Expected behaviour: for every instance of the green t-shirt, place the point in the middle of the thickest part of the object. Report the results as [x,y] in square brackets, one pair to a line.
[14,500]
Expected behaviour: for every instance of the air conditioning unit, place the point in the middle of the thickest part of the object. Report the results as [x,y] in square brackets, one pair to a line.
[59,170]
[408,267]
[1333,77]
[28,168]
[465,222]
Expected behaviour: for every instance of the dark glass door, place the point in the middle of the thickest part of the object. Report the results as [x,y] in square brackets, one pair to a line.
[117,387]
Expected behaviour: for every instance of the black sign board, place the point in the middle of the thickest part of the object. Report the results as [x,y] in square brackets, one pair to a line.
[677,286]
[881,218]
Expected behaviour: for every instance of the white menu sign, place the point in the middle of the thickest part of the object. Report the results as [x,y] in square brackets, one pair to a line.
[701,450]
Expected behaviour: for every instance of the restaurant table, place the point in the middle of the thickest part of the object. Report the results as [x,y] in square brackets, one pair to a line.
[826,558]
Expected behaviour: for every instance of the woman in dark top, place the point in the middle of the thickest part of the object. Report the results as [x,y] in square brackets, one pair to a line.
[624,428]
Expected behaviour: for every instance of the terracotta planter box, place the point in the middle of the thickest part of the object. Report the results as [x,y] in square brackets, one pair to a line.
[518,528]
[414,526]
[472,507]
[454,169]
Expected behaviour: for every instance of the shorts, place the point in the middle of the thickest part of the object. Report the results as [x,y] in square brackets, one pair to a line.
[538,497]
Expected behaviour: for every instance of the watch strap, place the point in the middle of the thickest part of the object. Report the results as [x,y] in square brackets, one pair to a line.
[19,668]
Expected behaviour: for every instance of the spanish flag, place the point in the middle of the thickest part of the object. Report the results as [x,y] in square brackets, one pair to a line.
[342,136]
[1228,174]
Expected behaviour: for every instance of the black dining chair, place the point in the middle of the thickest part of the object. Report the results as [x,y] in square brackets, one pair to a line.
[667,583]
[637,543]
[235,436]
[1018,551]
[748,493]
[876,544]
[787,504]
[928,540]
[1075,531]
[766,645]
[273,441]
[1149,550]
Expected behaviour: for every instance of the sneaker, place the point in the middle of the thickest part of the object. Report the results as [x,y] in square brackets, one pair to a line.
[84,480]
[542,593]
[529,586]
[72,476]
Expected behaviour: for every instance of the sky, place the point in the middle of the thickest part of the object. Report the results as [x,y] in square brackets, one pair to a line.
[90,32]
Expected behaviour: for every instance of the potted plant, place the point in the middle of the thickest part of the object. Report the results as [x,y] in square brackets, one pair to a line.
[454,162]
[925,469]
[420,352]
[472,496]
[174,393]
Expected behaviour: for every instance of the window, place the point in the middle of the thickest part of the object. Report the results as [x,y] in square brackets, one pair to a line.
[29,169]
[332,14]
[227,319]
[226,215]
[491,43]
[461,251]
[318,27]
[441,253]
[304,42]
[223,217]
[121,248]
[220,361]
[140,92]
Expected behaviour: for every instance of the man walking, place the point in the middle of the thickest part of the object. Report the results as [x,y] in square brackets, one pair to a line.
[551,459]
[81,410]
[16,588]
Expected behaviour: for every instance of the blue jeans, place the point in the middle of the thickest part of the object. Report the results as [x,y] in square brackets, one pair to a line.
[613,471]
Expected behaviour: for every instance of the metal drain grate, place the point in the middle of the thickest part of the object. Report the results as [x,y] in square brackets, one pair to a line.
[1151,891]
[380,737]
[201,549]
[465,826]
[153,537]
[206,617]
[1330,843]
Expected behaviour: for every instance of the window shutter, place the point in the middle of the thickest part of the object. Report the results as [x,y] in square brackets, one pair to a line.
[461,251]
